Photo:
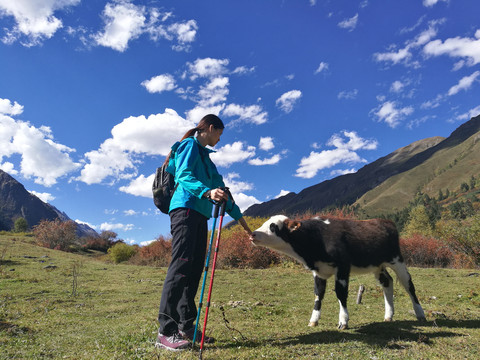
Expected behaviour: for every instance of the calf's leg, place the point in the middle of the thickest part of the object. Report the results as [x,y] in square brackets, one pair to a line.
[320,285]
[386,281]
[406,280]
[341,289]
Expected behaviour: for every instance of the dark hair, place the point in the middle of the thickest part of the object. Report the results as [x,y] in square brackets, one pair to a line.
[203,125]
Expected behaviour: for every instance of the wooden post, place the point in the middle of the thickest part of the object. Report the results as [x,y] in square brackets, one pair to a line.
[361,289]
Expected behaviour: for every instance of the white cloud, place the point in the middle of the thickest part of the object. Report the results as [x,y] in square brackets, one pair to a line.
[464,84]
[275,159]
[118,226]
[141,186]
[430,3]
[211,98]
[9,168]
[310,165]
[344,153]
[432,104]
[342,172]
[251,114]
[208,68]
[184,32]
[389,113]
[287,101]
[354,143]
[470,114]
[34,19]
[232,153]
[236,186]
[245,201]
[266,143]
[419,22]
[133,137]
[124,21]
[282,193]
[130,212]
[45,197]
[42,158]
[148,242]
[243,70]
[7,108]
[397,86]
[394,56]
[349,95]
[405,55]
[198,112]
[160,83]
[214,92]
[322,67]
[349,24]
[94,227]
[467,48]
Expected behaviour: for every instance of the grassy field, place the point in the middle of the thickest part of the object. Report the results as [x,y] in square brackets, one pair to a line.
[65,306]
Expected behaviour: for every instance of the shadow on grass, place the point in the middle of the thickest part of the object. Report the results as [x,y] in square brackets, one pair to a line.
[13,329]
[385,334]
[8,262]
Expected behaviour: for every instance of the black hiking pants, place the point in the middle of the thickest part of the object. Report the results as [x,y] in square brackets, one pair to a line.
[189,242]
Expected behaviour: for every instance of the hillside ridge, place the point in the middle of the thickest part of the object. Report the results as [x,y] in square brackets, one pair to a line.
[347,189]
[16,202]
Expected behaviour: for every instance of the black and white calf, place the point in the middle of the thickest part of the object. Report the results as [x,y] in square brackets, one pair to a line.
[340,247]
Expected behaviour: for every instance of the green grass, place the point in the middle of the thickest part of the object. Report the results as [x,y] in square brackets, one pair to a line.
[111,314]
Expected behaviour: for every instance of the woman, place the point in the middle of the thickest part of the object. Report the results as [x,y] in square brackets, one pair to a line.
[198,182]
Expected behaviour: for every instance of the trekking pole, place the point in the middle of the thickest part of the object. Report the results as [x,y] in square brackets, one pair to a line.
[222,214]
[207,261]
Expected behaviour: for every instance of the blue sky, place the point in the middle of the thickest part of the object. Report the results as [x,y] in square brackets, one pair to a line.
[94,93]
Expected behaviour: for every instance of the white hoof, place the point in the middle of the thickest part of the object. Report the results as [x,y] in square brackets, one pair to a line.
[313,323]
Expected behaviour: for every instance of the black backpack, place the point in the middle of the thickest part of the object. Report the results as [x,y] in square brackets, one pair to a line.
[163,188]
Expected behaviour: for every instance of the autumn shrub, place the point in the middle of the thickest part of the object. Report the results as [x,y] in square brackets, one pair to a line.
[423,251]
[59,235]
[97,243]
[121,252]
[338,213]
[463,238]
[102,242]
[157,253]
[236,251]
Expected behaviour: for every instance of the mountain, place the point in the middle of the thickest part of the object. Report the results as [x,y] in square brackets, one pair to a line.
[390,182]
[16,201]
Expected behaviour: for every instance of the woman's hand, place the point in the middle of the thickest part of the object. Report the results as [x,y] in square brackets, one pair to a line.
[218,195]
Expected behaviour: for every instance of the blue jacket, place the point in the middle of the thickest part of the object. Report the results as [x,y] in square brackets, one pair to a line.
[195,174]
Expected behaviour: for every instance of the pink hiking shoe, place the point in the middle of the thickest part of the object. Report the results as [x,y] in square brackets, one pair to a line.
[174,342]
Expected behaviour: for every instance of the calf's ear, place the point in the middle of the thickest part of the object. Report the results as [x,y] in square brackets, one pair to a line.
[292,225]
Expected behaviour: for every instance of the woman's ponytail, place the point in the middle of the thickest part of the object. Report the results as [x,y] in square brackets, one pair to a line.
[189,133]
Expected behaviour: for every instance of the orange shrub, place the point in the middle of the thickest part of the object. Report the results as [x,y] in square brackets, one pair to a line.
[424,251]
[97,243]
[56,234]
[157,253]
[237,251]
